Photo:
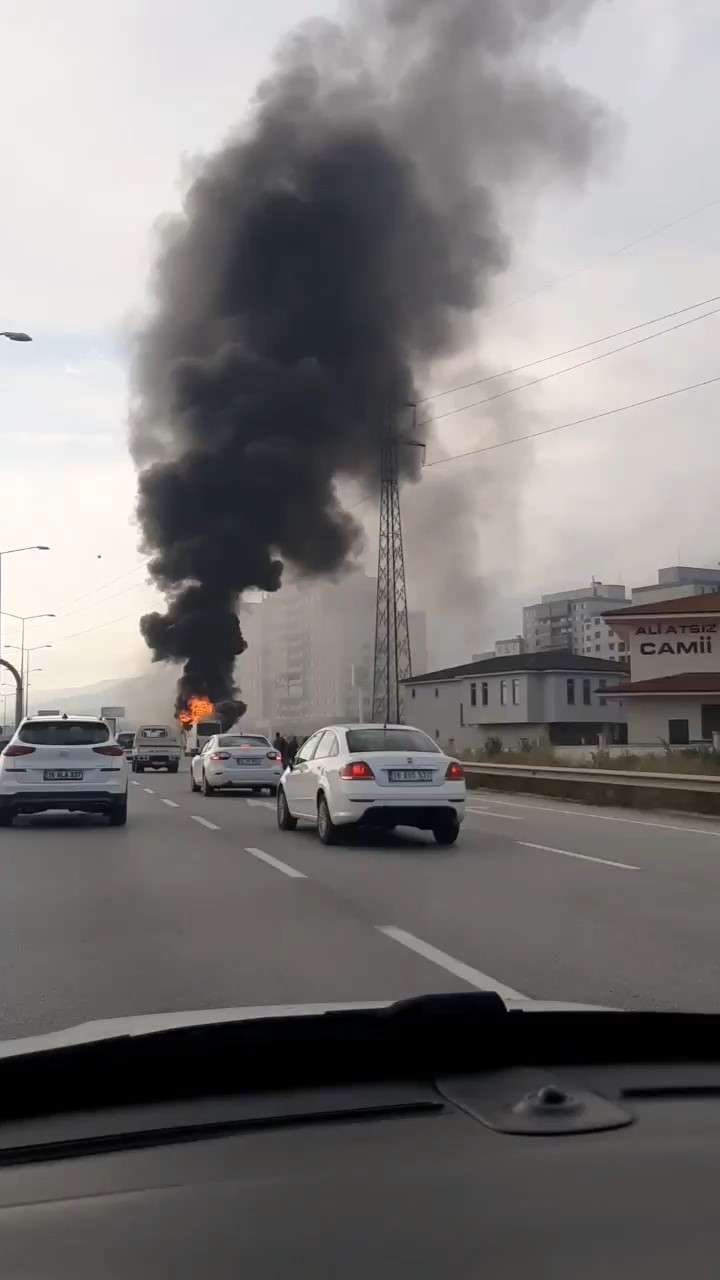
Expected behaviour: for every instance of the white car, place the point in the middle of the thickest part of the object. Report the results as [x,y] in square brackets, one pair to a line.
[376,776]
[63,762]
[244,760]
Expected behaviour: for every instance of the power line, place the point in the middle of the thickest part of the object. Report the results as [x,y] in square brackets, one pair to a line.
[89,631]
[97,603]
[577,422]
[552,284]
[102,587]
[569,351]
[603,355]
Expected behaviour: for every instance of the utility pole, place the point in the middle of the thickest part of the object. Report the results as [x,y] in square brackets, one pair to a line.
[393,661]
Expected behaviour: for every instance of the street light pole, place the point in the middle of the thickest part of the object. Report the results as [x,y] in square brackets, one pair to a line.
[13,551]
[27,668]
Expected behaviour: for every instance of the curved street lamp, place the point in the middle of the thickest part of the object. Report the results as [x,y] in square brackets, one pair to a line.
[13,551]
[15,335]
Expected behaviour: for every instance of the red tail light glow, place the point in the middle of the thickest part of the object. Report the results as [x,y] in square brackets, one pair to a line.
[357,771]
[454,772]
[112,750]
[15,749]
[220,755]
[274,755]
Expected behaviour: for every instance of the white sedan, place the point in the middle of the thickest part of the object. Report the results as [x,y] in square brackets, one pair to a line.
[231,760]
[376,776]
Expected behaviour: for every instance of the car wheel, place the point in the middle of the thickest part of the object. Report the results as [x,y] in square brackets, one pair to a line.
[6,817]
[119,813]
[207,790]
[139,768]
[327,831]
[285,820]
[173,768]
[193,784]
[273,791]
[447,831]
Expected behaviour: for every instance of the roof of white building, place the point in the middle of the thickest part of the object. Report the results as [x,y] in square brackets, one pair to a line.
[690,606]
[562,660]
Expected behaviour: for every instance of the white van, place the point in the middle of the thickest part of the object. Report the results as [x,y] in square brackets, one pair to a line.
[156,746]
[198,734]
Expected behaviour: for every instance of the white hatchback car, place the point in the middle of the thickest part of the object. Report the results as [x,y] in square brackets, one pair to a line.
[376,776]
[63,762]
[231,760]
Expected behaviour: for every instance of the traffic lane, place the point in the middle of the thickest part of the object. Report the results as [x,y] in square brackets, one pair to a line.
[661,844]
[166,915]
[545,924]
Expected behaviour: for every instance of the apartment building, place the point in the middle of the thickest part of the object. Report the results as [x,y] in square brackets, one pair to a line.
[573,620]
[310,654]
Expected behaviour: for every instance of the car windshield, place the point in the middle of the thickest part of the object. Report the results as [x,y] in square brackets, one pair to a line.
[290,289]
[371,740]
[63,733]
[232,740]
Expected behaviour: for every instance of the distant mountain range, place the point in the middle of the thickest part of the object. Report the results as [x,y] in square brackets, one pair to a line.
[150,696]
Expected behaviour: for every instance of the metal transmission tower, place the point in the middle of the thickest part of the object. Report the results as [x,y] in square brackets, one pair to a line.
[392,633]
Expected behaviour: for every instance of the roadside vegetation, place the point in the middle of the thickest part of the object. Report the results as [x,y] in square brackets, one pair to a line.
[685,760]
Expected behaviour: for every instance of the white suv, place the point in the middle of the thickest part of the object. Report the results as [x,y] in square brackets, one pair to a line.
[63,762]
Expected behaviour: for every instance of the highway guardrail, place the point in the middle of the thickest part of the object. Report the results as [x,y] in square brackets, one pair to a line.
[693,792]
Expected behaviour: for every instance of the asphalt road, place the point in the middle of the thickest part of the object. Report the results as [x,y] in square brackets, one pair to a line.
[202,902]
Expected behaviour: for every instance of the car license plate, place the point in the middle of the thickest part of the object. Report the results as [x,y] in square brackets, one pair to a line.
[244,760]
[63,775]
[410,775]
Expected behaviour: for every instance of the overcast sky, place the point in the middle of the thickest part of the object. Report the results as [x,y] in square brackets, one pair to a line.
[103,106]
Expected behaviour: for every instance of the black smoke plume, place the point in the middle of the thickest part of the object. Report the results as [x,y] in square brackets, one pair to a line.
[324,256]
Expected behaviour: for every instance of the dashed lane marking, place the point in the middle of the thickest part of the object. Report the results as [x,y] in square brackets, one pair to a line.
[265,804]
[461,970]
[585,857]
[149,791]
[204,822]
[133,783]
[609,817]
[171,804]
[277,864]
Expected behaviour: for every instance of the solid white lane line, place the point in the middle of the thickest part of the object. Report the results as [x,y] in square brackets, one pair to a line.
[204,822]
[279,866]
[171,804]
[265,804]
[610,817]
[476,979]
[149,791]
[585,857]
[506,817]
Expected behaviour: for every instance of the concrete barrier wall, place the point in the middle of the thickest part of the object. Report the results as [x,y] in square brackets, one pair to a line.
[686,793]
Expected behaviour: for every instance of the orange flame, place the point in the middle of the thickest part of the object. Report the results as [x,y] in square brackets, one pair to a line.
[197,709]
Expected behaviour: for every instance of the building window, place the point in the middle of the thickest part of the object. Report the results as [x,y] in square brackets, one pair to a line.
[503,693]
[571,693]
[678,733]
[484,693]
[603,701]
[587,694]
[437,693]
[611,647]
[597,648]
[413,693]
[516,692]
[473,695]
[621,647]
[462,716]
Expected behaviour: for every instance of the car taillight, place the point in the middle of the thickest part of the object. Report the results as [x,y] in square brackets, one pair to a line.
[14,749]
[454,772]
[220,755]
[274,755]
[112,750]
[358,770]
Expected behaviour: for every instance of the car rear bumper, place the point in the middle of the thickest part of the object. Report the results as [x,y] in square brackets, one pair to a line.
[156,759]
[34,800]
[421,814]
[244,778]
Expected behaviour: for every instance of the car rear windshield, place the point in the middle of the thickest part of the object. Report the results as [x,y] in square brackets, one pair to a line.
[126,739]
[368,740]
[153,731]
[64,733]
[209,727]
[246,741]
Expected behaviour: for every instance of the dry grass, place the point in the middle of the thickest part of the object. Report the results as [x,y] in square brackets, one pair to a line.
[688,760]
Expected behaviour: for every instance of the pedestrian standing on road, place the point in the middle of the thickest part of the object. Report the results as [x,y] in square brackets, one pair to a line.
[280,745]
[291,750]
